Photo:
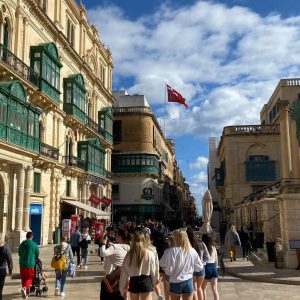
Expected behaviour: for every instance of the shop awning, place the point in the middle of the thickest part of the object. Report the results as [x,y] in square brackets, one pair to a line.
[169,208]
[86,207]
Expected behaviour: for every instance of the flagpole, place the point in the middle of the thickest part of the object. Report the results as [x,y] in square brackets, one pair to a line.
[165,110]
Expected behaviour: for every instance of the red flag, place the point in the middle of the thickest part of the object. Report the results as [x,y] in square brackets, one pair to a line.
[94,199]
[174,96]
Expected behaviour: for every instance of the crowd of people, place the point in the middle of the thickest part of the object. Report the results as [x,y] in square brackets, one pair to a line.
[139,258]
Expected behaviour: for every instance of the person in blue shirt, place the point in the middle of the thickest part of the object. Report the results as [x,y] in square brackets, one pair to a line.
[74,241]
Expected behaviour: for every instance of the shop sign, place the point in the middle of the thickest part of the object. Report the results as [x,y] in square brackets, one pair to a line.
[35,209]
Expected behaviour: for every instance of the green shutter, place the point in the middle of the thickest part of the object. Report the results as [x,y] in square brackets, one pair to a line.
[37,182]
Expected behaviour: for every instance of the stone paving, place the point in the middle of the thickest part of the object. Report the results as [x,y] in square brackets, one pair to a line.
[87,284]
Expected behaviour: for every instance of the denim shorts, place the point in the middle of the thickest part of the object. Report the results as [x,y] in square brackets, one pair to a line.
[182,288]
[211,271]
[200,274]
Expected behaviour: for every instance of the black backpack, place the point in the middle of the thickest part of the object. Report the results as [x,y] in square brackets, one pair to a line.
[83,243]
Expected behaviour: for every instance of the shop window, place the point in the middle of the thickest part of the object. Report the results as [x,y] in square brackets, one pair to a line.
[36,182]
[68,188]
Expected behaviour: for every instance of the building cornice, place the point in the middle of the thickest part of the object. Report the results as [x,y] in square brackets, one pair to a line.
[59,36]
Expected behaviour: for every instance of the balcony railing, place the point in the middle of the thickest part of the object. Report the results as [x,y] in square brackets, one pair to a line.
[137,109]
[49,151]
[74,161]
[17,65]
[252,129]
[91,123]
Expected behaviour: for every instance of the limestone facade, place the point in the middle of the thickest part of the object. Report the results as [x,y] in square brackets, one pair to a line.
[55,115]
[273,209]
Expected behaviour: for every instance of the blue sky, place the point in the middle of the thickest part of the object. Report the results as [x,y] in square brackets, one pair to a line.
[225,57]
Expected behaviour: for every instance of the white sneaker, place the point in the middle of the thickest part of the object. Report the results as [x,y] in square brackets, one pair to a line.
[85,267]
[62,294]
[24,293]
[56,293]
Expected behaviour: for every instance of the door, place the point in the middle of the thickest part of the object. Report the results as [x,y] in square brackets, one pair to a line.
[36,222]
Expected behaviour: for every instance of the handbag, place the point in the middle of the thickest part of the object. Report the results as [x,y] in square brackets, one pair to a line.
[59,261]
[111,281]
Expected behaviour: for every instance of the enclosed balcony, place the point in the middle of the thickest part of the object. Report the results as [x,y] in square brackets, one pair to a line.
[10,63]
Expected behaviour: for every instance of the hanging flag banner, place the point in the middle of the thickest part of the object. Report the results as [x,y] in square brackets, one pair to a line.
[94,199]
[174,96]
[106,201]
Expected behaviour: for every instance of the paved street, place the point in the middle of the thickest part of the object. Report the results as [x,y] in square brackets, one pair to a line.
[86,284]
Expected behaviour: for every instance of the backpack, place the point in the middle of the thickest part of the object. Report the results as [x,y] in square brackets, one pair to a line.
[59,260]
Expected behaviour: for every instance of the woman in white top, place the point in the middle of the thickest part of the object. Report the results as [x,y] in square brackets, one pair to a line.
[139,266]
[154,252]
[166,276]
[211,273]
[181,261]
[114,256]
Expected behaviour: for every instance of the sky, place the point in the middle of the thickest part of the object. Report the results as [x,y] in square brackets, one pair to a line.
[224,57]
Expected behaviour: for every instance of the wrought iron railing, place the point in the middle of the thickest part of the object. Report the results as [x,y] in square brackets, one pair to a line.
[74,161]
[49,151]
[92,124]
[17,65]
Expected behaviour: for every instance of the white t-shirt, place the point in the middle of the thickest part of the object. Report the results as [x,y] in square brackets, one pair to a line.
[180,264]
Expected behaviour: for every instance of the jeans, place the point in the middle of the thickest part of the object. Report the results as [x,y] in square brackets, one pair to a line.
[77,251]
[2,280]
[84,256]
[61,277]
[182,288]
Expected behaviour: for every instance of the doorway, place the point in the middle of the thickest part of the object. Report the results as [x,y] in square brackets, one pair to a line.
[36,222]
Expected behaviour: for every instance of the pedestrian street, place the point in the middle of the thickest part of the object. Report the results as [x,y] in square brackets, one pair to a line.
[86,284]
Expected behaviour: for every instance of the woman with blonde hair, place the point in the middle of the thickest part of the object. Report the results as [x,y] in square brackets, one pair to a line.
[139,267]
[5,261]
[181,262]
[232,240]
[166,276]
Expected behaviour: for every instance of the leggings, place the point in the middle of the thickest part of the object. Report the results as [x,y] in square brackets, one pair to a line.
[2,280]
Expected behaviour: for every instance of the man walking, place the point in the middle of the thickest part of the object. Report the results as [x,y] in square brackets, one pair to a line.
[74,241]
[28,254]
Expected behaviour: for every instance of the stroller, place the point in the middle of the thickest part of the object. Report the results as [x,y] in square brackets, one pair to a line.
[39,285]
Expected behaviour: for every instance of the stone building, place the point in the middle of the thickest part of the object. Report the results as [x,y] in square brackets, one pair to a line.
[259,172]
[142,162]
[55,117]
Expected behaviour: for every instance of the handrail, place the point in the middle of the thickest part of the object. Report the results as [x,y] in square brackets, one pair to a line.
[17,65]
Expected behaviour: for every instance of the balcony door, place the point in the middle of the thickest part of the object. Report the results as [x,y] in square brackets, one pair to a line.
[5,34]
[69,151]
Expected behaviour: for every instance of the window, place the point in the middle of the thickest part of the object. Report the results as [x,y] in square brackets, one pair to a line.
[70,32]
[5,34]
[44,59]
[258,157]
[68,188]
[3,112]
[36,182]
[115,193]
[117,131]
[43,5]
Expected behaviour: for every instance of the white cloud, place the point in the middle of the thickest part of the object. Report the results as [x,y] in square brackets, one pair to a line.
[225,61]
[200,163]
